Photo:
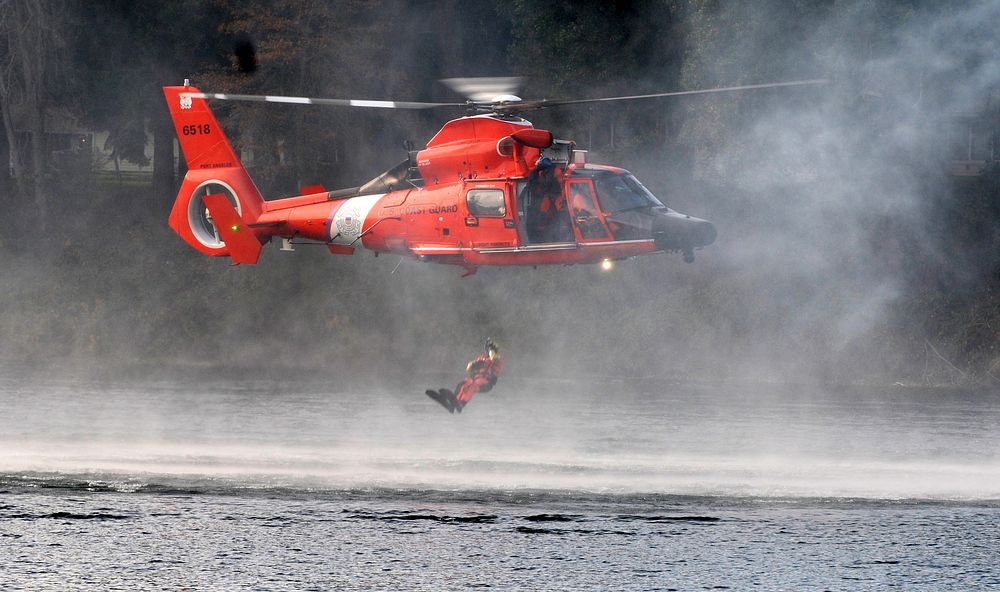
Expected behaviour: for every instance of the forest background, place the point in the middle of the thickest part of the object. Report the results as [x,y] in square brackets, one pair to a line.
[847,250]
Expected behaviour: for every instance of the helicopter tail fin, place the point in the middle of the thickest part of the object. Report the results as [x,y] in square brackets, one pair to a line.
[214,226]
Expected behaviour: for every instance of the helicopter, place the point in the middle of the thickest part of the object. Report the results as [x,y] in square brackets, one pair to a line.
[489,189]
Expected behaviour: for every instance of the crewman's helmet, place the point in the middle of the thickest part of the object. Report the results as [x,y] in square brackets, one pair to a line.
[491,347]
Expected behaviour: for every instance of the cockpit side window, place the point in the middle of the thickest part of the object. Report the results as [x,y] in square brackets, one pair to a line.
[620,192]
[486,203]
[585,213]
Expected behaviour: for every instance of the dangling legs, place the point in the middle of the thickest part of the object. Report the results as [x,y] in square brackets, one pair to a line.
[470,386]
[464,392]
[443,396]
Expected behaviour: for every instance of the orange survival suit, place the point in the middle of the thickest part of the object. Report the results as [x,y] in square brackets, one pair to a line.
[483,373]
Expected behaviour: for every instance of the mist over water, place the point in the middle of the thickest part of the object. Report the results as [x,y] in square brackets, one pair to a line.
[607,437]
[293,483]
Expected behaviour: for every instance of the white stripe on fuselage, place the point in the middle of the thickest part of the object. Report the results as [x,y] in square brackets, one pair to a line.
[348,222]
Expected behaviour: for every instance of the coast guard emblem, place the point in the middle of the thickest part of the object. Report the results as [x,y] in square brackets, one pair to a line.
[350,224]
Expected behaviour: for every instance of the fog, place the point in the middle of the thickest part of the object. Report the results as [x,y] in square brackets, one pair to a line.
[758,441]
[828,202]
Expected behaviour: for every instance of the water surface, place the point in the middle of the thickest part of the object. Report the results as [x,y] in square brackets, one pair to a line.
[279,485]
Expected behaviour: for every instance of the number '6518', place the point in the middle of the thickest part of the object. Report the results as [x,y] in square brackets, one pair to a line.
[194,130]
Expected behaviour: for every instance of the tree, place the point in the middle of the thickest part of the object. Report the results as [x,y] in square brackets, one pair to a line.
[594,49]
[30,61]
[314,49]
[142,46]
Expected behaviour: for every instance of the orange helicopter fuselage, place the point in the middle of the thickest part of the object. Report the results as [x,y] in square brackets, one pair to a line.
[468,209]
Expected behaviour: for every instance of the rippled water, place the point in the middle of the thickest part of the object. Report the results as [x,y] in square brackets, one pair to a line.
[538,485]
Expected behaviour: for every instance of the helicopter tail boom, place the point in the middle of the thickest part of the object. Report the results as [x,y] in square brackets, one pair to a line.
[218,202]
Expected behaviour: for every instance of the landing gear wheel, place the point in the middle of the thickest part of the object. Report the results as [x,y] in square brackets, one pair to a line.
[689,256]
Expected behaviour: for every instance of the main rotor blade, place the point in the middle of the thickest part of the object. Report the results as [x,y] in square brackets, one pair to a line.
[543,104]
[311,101]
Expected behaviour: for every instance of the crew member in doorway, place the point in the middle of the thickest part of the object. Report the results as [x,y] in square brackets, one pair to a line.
[549,220]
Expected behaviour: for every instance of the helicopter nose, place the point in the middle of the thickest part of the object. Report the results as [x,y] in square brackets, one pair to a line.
[673,231]
[702,232]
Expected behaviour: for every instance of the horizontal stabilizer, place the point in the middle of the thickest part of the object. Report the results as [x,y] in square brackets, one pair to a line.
[241,241]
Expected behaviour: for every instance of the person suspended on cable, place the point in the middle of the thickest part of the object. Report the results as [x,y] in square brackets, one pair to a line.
[482,373]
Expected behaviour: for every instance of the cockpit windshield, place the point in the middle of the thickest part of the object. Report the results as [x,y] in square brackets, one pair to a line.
[620,192]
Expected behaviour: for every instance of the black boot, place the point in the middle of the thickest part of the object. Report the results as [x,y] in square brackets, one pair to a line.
[444,397]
